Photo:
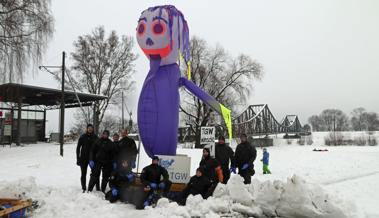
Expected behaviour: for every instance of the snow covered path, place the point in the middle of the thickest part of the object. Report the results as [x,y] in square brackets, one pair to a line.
[351,173]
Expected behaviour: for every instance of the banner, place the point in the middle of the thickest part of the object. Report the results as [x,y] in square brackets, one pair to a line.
[178,167]
[7,130]
[207,138]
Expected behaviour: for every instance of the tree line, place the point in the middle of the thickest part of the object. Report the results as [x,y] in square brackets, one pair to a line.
[337,120]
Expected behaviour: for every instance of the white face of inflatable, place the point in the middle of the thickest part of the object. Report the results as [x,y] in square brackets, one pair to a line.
[158,36]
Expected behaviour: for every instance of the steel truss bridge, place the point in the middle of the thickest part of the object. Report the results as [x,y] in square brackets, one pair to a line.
[259,120]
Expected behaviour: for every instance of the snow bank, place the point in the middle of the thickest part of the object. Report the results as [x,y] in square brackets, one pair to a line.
[63,202]
[293,198]
[55,184]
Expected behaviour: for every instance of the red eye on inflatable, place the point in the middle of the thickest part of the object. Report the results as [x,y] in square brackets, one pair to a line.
[141,29]
[158,27]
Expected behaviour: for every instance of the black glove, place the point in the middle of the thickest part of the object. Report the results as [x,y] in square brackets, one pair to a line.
[78,162]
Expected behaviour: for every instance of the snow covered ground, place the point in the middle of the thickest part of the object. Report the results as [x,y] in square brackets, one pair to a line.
[339,183]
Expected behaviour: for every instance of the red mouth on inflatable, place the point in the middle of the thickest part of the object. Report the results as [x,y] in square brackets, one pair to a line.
[162,52]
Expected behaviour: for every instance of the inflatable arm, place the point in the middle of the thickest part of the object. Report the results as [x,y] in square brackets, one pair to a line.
[210,101]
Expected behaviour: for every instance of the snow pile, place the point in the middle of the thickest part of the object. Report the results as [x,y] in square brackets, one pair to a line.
[63,202]
[293,198]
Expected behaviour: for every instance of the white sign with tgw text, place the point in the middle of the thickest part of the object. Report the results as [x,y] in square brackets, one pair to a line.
[207,138]
[178,167]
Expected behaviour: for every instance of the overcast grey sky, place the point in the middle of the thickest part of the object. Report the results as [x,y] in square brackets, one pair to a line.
[316,54]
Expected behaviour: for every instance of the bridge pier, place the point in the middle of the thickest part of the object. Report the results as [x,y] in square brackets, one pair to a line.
[291,136]
[261,142]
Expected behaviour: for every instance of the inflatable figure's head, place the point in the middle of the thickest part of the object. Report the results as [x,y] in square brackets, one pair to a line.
[162,33]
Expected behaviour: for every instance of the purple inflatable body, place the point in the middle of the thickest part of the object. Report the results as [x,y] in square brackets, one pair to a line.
[158,109]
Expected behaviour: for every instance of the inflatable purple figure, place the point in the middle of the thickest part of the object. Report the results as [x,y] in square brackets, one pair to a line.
[162,34]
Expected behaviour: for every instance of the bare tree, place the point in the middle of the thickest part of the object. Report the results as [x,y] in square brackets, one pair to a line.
[357,119]
[316,123]
[229,80]
[364,121]
[371,121]
[330,120]
[79,126]
[25,28]
[110,123]
[334,120]
[104,66]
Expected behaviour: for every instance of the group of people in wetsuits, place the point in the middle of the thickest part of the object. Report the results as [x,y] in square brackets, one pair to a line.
[214,170]
[114,160]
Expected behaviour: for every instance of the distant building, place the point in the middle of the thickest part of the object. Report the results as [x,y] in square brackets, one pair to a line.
[24,109]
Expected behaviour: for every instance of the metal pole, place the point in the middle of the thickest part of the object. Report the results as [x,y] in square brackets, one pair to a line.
[130,121]
[94,118]
[12,126]
[139,152]
[44,125]
[18,142]
[334,128]
[61,132]
[122,112]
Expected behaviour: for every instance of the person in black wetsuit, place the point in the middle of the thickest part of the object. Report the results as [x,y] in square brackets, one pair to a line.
[155,178]
[83,148]
[198,185]
[245,156]
[224,155]
[119,182]
[101,159]
[212,170]
[126,150]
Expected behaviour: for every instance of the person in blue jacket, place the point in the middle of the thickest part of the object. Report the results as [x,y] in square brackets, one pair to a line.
[265,160]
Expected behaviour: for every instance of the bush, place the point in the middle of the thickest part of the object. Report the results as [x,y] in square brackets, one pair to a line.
[338,138]
[289,141]
[371,139]
[360,141]
[335,138]
[301,141]
[309,140]
[372,142]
